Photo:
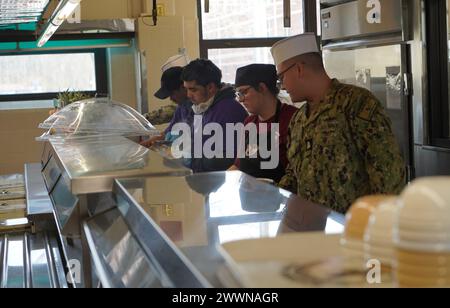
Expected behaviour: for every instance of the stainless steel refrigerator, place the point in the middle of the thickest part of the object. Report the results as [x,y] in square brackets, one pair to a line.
[365,43]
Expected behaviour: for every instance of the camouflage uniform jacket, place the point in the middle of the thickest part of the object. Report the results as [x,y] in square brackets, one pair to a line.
[162,115]
[343,151]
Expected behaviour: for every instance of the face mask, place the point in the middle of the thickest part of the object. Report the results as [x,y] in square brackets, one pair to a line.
[201,108]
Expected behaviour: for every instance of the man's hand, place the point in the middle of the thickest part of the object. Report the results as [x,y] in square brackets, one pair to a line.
[233,168]
[150,142]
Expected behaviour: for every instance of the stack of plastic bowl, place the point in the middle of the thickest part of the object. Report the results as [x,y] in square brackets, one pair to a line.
[422,234]
[357,219]
[378,238]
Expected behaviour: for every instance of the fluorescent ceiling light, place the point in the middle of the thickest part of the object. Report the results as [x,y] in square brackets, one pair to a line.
[21,11]
[64,10]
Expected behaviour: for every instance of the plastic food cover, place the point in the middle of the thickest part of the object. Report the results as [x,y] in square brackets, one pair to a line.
[96,116]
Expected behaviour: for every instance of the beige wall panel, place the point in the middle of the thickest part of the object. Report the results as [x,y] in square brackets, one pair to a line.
[18,130]
[186,8]
[178,29]
[159,43]
[191,37]
[105,9]
[169,6]
[122,75]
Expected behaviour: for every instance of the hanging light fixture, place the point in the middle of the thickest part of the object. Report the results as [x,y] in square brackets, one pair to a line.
[63,11]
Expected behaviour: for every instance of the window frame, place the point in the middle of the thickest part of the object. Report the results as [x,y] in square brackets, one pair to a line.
[438,66]
[101,75]
[309,24]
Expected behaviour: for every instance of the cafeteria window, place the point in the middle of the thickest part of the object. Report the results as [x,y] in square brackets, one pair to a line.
[447,105]
[33,80]
[438,32]
[229,60]
[235,33]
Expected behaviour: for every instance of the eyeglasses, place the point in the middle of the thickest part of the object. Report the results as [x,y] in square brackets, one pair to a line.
[240,95]
[280,76]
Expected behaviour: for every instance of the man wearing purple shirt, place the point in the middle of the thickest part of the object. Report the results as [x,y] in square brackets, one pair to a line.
[215,102]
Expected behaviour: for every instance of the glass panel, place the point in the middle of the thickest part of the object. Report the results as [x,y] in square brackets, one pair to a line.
[229,60]
[228,233]
[50,73]
[63,201]
[250,19]
[202,211]
[36,104]
[378,70]
[121,256]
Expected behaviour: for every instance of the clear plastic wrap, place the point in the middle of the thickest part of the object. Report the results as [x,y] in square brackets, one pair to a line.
[96,117]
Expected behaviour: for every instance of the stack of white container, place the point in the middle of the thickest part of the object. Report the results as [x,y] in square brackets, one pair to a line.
[408,235]
[422,234]
[357,220]
[378,237]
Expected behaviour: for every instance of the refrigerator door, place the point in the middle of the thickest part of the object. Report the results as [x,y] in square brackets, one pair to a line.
[381,70]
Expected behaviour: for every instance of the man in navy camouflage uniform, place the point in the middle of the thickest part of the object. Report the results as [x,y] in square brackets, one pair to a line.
[340,144]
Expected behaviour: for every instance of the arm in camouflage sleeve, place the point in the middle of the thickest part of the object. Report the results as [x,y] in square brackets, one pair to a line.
[377,145]
[289,181]
[162,115]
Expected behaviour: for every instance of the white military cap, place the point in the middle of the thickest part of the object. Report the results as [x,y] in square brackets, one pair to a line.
[178,60]
[294,46]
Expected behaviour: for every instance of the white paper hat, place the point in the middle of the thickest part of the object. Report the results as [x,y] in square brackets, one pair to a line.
[294,46]
[177,60]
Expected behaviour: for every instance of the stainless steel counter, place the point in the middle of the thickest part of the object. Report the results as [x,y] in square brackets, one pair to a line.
[134,218]
[91,165]
[39,205]
[79,176]
[30,251]
[76,168]
[31,261]
[171,226]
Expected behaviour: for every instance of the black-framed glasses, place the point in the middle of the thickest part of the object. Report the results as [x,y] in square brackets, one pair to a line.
[280,76]
[240,95]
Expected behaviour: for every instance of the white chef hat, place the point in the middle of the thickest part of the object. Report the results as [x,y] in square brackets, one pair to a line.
[180,60]
[294,46]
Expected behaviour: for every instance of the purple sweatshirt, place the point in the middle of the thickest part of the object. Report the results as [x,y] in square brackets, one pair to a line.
[224,109]
[182,115]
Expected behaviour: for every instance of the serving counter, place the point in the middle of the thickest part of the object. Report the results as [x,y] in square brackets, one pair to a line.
[166,231]
[108,212]
[79,175]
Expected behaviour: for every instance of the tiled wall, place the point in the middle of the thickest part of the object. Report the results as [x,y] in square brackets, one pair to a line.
[18,128]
